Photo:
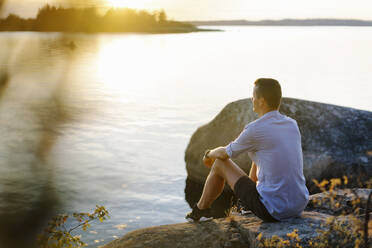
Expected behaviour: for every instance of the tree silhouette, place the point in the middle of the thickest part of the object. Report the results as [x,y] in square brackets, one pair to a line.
[58,19]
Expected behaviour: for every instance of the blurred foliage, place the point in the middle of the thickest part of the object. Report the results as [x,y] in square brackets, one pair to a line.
[1,4]
[56,235]
[55,19]
[345,230]
[31,126]
[29,196]
[4,78]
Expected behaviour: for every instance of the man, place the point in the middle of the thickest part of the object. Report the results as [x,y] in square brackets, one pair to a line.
[275,188]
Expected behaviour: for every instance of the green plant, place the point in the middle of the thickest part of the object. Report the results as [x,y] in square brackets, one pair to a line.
[56,235]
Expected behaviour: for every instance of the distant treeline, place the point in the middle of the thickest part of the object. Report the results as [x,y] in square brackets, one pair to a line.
[59,19]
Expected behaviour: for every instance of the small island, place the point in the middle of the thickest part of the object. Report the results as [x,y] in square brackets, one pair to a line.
[91,20]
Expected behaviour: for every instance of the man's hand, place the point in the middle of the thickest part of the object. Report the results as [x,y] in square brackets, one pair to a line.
[210,156]
[219,152]
[208,161]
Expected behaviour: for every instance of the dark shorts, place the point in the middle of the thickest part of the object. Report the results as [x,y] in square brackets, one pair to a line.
[245,189]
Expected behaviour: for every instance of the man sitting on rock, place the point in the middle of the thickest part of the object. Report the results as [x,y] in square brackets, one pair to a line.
[275,188]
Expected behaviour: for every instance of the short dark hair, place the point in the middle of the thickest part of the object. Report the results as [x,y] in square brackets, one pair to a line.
[270,90]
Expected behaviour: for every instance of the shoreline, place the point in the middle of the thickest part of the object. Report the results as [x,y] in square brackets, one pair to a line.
[166,31]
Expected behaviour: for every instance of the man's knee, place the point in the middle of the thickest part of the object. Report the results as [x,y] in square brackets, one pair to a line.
[228,170]
[219,166]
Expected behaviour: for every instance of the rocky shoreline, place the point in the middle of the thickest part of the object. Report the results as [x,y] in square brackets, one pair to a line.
[237,230]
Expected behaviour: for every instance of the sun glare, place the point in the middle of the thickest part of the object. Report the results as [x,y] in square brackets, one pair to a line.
[134,4]
[121,64]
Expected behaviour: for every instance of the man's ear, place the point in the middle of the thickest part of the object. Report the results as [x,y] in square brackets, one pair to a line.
[264,103]
[261,101]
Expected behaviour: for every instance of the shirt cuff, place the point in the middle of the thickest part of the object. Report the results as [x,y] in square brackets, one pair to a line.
[228,150]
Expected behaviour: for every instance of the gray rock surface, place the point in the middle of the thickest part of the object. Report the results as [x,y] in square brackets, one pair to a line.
[234,231]
[336,140]
[340,201]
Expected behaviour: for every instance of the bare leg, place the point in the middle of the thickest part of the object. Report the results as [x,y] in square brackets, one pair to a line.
[221,171]
[213,187]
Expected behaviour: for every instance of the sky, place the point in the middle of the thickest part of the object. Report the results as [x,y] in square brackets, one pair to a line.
[218,9]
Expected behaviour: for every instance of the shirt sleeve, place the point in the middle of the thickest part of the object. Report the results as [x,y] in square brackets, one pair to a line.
[246,141]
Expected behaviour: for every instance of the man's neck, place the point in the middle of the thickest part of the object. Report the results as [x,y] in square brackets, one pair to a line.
[265,112]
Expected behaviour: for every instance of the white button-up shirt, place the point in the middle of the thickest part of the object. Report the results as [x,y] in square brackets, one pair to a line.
[273,142]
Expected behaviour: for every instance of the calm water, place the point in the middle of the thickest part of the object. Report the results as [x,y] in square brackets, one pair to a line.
[111,119]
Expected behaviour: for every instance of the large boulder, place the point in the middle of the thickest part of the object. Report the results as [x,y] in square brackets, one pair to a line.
[245,230]
[336,140]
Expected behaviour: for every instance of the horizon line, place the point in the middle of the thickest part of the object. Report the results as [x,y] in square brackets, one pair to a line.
[284,19]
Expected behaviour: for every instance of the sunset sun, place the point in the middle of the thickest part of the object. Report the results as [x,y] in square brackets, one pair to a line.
[136,4]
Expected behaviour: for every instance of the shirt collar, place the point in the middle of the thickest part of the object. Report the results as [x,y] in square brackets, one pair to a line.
[270,113]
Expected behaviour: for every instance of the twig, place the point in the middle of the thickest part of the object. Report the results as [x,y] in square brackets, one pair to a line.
[80,225]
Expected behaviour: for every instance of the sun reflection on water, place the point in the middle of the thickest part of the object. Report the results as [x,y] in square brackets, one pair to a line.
[120,64]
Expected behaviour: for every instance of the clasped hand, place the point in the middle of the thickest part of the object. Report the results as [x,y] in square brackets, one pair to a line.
[207,160]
